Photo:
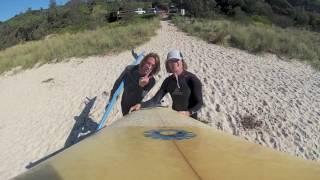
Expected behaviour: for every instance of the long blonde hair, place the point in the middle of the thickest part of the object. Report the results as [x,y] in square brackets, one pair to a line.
[156,57]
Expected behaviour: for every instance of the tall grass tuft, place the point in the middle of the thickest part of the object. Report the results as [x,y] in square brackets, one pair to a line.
[256,37]
[110,38]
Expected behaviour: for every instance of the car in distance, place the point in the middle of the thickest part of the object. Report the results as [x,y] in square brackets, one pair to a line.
[139,11]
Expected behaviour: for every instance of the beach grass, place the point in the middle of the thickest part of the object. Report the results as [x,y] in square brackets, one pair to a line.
[111,38]
[256,37]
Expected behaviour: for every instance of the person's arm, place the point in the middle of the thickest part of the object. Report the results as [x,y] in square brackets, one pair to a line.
[197,91]
[150,85]
[157,98]
[118,82]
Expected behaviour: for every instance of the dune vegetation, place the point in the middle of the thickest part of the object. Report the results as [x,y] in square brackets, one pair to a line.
[256,37]
[113,37]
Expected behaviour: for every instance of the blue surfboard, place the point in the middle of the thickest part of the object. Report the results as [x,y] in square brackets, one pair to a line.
[137,59]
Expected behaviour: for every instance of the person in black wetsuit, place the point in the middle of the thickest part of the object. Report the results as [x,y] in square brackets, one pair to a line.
[183,86]
[138,80]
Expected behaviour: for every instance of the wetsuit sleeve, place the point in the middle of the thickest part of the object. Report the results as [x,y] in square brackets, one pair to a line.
[148,87]
[157,98]
[197,91]
[117,83]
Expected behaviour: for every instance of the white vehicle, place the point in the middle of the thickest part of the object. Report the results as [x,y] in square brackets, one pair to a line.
[140,11]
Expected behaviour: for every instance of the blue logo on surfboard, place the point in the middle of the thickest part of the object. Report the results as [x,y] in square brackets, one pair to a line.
[169,134]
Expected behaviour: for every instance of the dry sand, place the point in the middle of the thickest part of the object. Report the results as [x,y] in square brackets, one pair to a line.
[260,98]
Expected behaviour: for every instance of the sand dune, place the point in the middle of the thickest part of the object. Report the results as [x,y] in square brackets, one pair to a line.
[260,98]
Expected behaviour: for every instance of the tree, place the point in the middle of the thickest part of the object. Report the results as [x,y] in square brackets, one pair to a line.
[74,3]
[29,10]
[302,18]
[53,12]
[52,4]
[200,8]
[75,13]
[314,21]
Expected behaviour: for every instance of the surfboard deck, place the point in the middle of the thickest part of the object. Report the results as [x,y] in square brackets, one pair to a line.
[162,144]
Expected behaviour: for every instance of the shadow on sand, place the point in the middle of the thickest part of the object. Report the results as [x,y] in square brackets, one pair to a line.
[83,127]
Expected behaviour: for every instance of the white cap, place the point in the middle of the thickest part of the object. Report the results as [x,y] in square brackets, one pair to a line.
[174,54]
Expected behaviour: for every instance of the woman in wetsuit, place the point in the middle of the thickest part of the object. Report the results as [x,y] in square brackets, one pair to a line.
[138,80]
[184,88]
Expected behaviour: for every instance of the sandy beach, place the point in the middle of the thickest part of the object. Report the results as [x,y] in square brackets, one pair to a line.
[261,98]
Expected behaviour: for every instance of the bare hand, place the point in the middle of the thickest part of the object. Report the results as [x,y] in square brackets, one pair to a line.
[143,81]
[186,113]
[136,107]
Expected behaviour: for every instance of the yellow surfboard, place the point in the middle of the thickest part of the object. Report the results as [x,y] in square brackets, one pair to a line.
[162,144]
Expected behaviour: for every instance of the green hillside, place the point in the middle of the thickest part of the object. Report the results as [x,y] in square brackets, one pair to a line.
[285,27]
[289,28]
[75,16]
[79,15]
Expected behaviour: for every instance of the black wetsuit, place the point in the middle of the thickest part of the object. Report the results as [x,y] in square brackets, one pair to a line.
[185,91]
[132,93]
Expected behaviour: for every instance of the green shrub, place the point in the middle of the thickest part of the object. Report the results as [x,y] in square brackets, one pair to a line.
[256,38]
[111,38]
[261,19]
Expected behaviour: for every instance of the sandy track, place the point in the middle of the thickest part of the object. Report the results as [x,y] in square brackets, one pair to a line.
[260,98]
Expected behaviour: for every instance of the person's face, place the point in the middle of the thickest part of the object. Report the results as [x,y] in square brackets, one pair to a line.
[148,66]
[175,65]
